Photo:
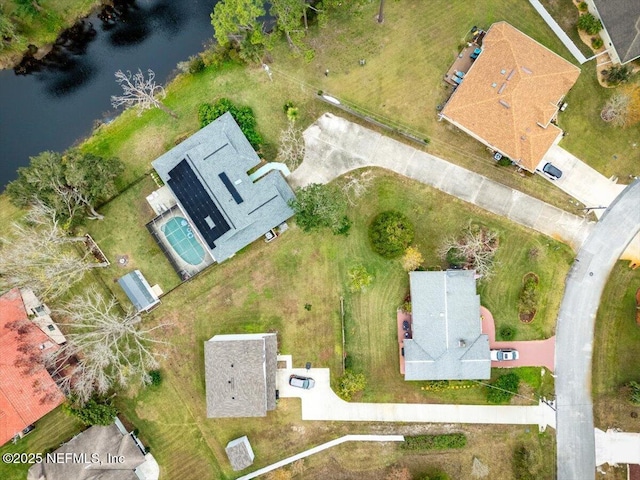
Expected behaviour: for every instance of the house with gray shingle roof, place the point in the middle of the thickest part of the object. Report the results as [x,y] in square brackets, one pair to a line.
[100,452]
[621,27]
[240,374]
[207,174]
[240,453]
[446,341]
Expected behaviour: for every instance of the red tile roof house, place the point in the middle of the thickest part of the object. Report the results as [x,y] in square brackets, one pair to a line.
[27,391]
[511,95]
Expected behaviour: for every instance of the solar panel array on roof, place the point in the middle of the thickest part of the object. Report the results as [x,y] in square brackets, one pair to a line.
[196,201]
[231,187]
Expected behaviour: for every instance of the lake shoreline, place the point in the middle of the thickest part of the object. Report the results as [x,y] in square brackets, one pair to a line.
[13,59]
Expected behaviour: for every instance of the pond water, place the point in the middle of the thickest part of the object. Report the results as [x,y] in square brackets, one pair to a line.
[51,104]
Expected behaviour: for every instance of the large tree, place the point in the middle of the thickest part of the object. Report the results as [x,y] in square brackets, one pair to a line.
[73,184]
[140,91]
[105,348]
[289,15]
[39,254]
[321,206]
[236,21]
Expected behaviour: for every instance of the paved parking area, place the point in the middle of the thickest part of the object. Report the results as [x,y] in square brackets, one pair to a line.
[532,353]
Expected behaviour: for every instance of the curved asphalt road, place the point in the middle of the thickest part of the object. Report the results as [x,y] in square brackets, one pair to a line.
[574,333]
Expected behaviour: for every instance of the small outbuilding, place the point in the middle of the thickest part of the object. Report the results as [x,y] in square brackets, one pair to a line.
[139,291]
[240,453]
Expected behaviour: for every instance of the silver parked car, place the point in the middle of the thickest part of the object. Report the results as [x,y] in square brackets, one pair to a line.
[301,382]
[504,355]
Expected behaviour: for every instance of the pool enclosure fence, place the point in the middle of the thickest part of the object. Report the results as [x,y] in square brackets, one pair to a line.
[183,268]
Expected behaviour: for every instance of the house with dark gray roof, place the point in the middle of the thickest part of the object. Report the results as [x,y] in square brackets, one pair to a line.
[240,374]
[446,341]
[207,174]
[240,453]
[621,27]
[139,291]
[100,452]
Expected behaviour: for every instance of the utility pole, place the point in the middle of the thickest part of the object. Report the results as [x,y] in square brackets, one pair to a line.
[381,12]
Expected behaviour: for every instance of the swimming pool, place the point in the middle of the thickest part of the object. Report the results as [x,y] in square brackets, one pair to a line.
[179,234]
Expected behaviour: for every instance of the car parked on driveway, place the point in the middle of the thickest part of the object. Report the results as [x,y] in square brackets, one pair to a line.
[301,382]
[553,172]
[504,355]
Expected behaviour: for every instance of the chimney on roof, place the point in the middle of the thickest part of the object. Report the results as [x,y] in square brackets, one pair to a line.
[462,343]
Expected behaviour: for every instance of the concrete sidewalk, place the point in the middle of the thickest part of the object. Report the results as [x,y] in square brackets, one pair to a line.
[335,146]
[617,448]
[321,403]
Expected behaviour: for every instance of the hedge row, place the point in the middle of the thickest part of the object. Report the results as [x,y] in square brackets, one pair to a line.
[435,442]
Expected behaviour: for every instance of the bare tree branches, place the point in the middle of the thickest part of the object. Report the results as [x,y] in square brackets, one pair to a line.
[38,254]
[292,146]
[474,249]
[105,347]
[356,185]
[616,110]
[140,92]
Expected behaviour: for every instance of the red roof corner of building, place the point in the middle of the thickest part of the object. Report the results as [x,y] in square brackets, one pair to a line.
[25,396]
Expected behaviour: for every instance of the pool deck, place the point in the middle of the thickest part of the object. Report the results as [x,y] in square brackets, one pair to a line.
[161,200]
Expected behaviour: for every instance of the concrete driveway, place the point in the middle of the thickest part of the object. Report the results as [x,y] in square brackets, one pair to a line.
[589,187]
[532,353]
[579,180]
[335,146]
[321,403]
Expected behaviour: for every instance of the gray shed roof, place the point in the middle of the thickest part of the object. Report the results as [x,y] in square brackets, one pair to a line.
[138,290]
[447,341]
[621,19]
[207,174]
[240,453]
[95,440]
[240,374]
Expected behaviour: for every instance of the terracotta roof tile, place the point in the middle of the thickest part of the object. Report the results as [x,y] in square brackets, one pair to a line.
[22,395]
[513,116]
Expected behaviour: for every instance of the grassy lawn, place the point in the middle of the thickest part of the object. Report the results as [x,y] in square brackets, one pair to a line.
[616,352]
[265,288]
[617,150]
[370,326]
[138,140]
[123,232]
[364,461]
[403,85]
[43,29]
[51,431]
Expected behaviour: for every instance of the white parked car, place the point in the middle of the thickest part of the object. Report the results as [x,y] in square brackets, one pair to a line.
[504,354]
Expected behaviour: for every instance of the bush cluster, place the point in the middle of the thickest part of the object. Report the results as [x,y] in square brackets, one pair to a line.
[507,332]
[589,24]
[529,294]
[349,384]
[93,412]
[596,43]
[155,377]
[503,389]
[435,442]
[390,233]
[243,116]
